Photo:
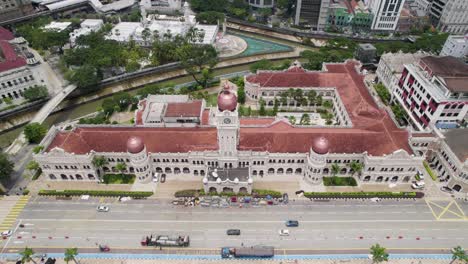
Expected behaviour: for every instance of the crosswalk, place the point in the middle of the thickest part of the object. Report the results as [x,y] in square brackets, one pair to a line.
[10,208]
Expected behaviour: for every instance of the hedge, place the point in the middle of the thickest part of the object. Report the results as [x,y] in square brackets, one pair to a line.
[363,194]
[255,193]
[429,171]
[339,181]
[94,193]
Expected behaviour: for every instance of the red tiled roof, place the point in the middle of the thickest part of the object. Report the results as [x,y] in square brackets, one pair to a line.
[5,34]
[112,139]
[188,109]
[11,60]
[373,130]
[422,135]
[205,117]
[252,121]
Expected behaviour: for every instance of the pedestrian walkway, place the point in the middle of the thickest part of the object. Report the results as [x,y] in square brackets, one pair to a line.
[10,208]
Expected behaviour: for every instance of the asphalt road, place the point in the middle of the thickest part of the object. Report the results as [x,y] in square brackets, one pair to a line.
[324,226]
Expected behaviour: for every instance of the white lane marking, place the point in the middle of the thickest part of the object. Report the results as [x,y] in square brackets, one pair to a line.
[234,221]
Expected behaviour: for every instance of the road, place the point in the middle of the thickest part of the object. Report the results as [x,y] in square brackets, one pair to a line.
[404,225]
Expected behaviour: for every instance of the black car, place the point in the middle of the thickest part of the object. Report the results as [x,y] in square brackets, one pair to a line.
[233,232]
[292,223]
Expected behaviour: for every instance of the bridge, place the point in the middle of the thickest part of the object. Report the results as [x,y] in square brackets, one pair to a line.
[40,117]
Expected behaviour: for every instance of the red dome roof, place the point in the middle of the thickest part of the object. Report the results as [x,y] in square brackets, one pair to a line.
[320,146]
[135,145]
[227,100]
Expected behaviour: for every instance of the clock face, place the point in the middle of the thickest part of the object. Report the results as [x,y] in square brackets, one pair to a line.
[227,121]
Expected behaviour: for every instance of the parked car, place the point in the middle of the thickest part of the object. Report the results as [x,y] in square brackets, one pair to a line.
[420,175]
[283,232]
[7,233]
[163,178]
[103,208]
[234,199]
[418,185]
[156,177]
[233,232]
[292,223]
[446,189]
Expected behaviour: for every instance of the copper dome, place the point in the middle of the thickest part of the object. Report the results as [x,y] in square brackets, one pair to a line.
[227,100]
[321,145]
[135,145]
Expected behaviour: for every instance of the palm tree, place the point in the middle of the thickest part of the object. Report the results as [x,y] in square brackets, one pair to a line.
[26,255]
[70,254]
[335,168]
[458,253]
[378,253]
[121,167]
[99,162]
[356,167]
[145,34]
[311,95]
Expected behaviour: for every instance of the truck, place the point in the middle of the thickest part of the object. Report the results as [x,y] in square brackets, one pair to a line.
[248,252]
[164,240]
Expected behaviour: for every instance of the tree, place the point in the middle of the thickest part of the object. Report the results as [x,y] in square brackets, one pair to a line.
[311,96]
[262,64]
[146,34]
[6,167]
[210,17]
[356,167]
[275,107]
[35,93]
[292,120]
[208,5]
[335,168]
[197,59]
[85,77]
[262,110]
[378,253]
[241,94]
[26,255]
[121,167]
[458,253]
[70,254]
[38,149]
[32,165]
[99,162]
[249,111]
[284,98]
[34,132]
[305,119]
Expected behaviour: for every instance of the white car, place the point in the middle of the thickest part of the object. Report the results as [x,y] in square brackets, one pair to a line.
[7,233]
[418,185]
[283,232]
[103,208]
[156,177]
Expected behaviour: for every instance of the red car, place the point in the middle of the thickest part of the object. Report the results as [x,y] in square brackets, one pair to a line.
[233,199]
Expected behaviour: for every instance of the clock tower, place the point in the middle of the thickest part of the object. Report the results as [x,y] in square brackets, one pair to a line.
[227,120]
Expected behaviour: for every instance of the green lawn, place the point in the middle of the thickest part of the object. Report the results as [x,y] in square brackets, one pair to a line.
[339,181]
[212,99]
[119,178]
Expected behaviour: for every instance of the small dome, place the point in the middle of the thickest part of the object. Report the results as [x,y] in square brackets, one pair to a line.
[205,180]
[250,181]
[236,180]
[321,145]
[227,100]
[135,145]
[218,181]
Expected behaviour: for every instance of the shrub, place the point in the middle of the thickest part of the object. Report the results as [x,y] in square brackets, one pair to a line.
[94,193]
[255,193]
[119,178]
[429,171]
[189,193]
[339,181]
[363,194]
[25,192]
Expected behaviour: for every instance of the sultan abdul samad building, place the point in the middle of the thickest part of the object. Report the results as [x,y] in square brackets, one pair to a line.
[176,135]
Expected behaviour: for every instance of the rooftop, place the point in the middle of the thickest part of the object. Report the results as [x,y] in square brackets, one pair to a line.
[188,109]
[5,34]
[58,26]
[396,61]
[457,140]
[8,57]
[451,70]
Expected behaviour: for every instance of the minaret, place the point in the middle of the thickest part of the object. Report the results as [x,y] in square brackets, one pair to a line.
[139,159]
[227,120]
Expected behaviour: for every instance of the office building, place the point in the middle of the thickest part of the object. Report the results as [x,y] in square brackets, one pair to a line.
[386,14]
[313,13]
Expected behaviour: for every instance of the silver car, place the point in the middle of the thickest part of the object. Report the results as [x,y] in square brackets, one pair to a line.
[103,208]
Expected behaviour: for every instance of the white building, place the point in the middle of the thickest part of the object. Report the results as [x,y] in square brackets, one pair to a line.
[261,3]
[456,46]
[386,14]
[391,66]
[313,13]
[143,32]
[434,92]
[87,26]
[162,6]
[57,26]
[450,16]
[247,147]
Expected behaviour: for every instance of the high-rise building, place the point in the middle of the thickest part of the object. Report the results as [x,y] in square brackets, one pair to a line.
[313,13]
[450,16]
[456,46]
[13,8]
[386,14]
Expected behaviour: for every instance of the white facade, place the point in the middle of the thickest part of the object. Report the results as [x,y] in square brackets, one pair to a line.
[456,46]
[15,81]
[261,3]
[161,6]
[391,66]
[386,14]
[454,17]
